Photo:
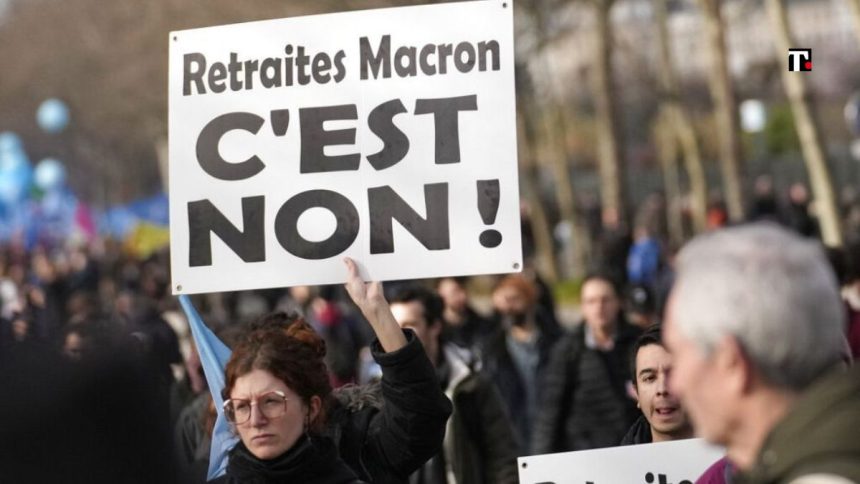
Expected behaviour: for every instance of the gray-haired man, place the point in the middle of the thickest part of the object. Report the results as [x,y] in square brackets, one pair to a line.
[755,327]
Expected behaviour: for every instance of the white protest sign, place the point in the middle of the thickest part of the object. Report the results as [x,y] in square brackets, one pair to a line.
[388,136]
[676,462]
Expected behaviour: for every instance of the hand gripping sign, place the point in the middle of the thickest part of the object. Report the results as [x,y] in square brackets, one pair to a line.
[388,136]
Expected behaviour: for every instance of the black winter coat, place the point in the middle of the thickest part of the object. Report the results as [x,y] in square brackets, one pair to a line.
[499,367]
[387,431]
[639,433]
[585,404]
[479,446]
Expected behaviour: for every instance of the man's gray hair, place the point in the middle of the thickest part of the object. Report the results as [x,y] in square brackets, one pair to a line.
[772,290]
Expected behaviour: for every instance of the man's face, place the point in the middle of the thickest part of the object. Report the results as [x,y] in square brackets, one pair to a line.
[74,347]
[508,300]
[452,294]
[411,315]
[600,304]
[660,407]
[699,383]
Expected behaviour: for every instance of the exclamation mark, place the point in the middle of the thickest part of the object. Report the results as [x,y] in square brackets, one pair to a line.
[488,207]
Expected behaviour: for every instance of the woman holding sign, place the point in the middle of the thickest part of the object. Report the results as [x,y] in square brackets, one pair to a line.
[275,394]
[291,425]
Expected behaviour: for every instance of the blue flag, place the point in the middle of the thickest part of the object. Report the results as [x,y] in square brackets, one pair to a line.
[213,356]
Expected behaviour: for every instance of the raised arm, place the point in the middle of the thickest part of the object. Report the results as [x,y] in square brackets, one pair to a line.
[369,298]
[408,429]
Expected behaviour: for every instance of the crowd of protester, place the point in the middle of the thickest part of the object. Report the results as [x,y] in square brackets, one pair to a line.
[105,380]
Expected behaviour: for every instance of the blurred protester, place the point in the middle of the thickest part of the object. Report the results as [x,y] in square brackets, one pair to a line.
[17,333]
[641,307]
[195,422]
[644,259]
[851,222]
[81,306]
[613,246]
[193,439]
[544,301]
[663,419]
[717,215]
[797,215]
[319,307]
[9,298]
[82,341]
[517,351]
[188,387]
[755,326]
[851,296]
[479,445]
[52,292]
[584,401]
[83,271]
[652,214]
[463,325]
[764,206]
[89,423]
[156,338]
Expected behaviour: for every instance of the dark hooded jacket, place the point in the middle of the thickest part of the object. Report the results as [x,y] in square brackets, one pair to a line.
[386,431]
[820,435]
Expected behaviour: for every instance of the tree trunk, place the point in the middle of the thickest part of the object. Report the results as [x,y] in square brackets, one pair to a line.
[807,129]
[544,250]
[678,118]
[854,7]
[609,144]
[667,151]
[725,109]
[555,127]
[575,260]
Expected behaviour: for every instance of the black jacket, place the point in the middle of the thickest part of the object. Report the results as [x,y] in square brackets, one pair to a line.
[585,404]
[639,433]
[499,367]
[387,431]
[309,461]
[470,332]
[479,445]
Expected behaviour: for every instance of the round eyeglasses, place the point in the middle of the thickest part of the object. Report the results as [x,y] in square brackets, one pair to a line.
[272,405]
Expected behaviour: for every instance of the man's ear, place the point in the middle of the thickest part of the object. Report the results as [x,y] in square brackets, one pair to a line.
[733,363]
[436,329]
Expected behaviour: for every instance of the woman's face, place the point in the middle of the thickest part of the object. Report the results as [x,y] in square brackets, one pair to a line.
[269,437]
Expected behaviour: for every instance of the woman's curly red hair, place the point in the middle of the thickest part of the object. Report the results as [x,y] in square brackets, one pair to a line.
[289,349]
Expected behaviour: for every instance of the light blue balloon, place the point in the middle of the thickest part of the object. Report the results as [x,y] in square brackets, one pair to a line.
[49,174]
[15,178]
[53,115]
[9,142]
[16,174]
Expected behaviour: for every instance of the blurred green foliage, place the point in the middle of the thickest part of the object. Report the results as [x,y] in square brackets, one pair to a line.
[780,135]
